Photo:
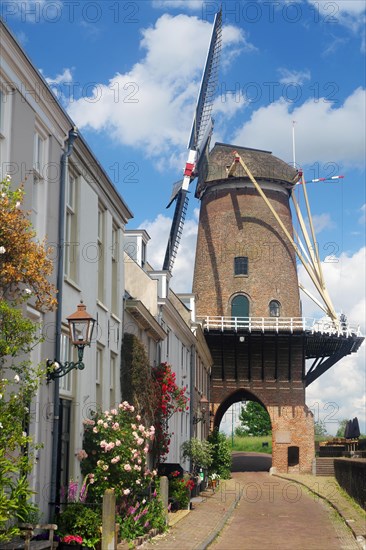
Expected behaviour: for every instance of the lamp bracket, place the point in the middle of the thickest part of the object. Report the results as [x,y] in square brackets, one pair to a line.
[66,367]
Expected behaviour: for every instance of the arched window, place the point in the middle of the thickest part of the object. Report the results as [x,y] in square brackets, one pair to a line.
[240,306]
[274,308]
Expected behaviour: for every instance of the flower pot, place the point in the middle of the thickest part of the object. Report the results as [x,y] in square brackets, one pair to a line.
[65,546]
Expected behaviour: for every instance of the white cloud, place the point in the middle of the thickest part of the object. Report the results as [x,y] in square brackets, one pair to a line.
[341,7]
[158,230]
[325,131]
[348,13]
[343,384]
[340,392]
[293,77]
[65,76]
[322,221]
[151,106]
[345,277]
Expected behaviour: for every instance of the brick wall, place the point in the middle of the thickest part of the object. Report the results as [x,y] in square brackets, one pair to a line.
[236,222]
[292,422]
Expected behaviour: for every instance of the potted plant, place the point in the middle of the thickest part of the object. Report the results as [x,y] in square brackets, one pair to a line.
[70,540]
[199,452]
[83,521]
[214,480]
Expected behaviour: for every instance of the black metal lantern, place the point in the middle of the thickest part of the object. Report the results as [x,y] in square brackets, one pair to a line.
[81,327]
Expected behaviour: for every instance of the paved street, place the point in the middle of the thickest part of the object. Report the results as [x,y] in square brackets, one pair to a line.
[272,512]
[277,513]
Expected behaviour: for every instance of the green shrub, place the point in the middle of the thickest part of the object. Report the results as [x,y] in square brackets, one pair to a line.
[179,492]
[221,454]
[199,452]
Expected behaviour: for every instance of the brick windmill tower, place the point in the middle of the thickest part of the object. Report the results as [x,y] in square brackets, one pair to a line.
[247,296]
[246,283]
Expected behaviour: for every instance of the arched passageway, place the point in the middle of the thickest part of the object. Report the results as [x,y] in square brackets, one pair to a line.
[244,461]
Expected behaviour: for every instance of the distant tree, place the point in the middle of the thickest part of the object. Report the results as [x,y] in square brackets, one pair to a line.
[255,420]
[341,427]
[320,428]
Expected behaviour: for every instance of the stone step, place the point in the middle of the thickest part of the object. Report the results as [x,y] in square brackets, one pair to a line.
[324,466]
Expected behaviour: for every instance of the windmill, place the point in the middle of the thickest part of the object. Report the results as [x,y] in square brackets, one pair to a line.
[198,142]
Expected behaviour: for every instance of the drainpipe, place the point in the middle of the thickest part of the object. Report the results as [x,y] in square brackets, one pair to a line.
[73,134]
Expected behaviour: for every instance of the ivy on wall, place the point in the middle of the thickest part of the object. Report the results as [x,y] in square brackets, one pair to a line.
[136,378]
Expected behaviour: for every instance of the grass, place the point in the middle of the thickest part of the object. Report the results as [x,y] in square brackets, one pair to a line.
[252,444]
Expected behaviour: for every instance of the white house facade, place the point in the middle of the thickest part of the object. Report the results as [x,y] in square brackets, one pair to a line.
[75,207]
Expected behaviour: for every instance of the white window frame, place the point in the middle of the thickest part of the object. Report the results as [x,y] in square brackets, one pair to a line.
[101,252]
[71,226]
[66,354]
[6,102]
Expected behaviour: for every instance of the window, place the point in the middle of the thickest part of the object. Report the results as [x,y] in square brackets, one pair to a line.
[240,306]
[143,254]
[112,381]
[241,265]
[115,293]
[99,378]
[274,308]
[71,227]
[66,355]
[38,151]
[6,98]
[101,254]
[1,110]
[167,342]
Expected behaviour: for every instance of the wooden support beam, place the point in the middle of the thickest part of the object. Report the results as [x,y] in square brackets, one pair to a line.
[222,357]
[249,356]
[236,355]
[309,244]
[289,356]
[303,374]
[276,356]
[330,309]
[262,355]
[313,232]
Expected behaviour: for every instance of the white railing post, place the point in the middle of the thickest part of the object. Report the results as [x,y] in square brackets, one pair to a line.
[222,324]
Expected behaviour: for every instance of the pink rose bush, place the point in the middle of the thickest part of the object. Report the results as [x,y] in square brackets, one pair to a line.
[116,445]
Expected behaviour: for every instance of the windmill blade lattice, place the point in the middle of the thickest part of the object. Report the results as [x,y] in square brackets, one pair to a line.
[199,140]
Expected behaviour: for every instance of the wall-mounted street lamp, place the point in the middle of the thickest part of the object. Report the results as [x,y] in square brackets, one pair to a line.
[81,326]
[196,419]
[204,407]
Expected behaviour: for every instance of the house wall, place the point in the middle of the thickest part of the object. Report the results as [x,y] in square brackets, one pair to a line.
[31,108]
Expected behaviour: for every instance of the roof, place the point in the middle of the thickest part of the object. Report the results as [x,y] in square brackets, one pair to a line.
[262,164]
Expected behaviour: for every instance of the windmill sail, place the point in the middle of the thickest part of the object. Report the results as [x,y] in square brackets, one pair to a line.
[198,141]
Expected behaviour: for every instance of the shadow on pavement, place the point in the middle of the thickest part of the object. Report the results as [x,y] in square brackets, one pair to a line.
[251,462]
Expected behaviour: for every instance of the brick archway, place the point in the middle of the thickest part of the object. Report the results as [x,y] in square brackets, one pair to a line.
[292,421]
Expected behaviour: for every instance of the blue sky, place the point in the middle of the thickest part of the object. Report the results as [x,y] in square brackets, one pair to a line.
[128,74]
